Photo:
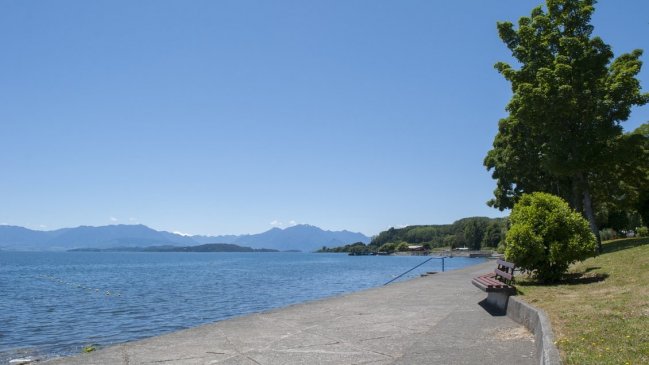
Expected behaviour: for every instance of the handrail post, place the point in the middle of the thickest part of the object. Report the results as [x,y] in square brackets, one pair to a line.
[443,257]
[408,271]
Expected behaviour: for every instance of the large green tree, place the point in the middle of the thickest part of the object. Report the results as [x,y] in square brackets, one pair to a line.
[569,96]
[621,191]
[642,203]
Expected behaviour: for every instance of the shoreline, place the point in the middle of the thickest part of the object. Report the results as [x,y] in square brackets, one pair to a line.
[450,253]
[383,325]
[327,286]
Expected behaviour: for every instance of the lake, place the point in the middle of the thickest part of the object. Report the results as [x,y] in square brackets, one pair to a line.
[54,304]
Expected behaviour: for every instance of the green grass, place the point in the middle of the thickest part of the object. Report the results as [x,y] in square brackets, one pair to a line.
[600,313]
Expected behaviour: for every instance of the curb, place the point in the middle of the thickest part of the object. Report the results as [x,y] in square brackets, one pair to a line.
[536,321]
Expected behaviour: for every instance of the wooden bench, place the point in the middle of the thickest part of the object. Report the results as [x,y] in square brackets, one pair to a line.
[498,285]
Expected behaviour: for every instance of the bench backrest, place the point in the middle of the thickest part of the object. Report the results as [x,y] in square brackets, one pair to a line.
[505,271]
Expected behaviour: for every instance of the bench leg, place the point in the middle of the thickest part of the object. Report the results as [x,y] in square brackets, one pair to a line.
[498,300]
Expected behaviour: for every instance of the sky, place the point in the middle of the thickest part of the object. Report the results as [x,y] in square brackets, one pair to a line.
[233,117]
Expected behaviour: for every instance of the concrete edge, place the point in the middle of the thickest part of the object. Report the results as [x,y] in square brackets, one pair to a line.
[537,322]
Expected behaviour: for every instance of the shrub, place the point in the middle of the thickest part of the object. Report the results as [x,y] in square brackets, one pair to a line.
[402,247]
[358,249]
[546,236]
[388,247]
[607,234]
[642,232]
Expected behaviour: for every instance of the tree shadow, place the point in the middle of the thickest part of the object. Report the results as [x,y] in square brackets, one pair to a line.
[580,278]
[589,269]
[623,244]
[574,278]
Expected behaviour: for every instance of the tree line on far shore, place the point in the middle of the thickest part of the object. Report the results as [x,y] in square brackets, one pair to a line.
[473,233]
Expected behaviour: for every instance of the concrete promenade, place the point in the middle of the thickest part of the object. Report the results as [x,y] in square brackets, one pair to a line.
[431,320]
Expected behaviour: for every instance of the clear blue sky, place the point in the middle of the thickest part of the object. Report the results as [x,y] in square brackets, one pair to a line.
[230,117]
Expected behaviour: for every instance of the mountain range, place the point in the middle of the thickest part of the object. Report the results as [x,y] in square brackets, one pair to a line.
[301,237]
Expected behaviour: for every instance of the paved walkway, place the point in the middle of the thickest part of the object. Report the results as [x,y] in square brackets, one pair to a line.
[431,320]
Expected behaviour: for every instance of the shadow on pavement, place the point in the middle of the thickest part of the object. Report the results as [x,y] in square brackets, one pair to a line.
[494,311]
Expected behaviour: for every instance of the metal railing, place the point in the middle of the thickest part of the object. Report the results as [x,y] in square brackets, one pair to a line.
[430,258]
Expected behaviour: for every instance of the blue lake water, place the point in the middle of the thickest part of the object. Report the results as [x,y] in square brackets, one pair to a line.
[54,304]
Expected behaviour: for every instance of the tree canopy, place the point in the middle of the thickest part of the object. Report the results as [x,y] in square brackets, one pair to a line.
[473,232]
[563,132]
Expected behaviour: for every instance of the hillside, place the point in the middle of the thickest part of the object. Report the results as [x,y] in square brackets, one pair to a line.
[301,237]
[473,232]
[304,238]
[20,239]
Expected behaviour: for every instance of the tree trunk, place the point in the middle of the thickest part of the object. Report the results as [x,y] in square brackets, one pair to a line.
[588,211]
[576,199]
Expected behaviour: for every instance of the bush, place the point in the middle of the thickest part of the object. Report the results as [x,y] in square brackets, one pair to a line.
[388,247]
[358,249]
[642,232]
[402,247]
[608,234]
[546,236]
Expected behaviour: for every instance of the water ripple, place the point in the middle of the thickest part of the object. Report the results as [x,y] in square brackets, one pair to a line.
[57,303]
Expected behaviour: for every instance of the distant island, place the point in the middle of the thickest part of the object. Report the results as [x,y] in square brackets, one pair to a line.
[210,247]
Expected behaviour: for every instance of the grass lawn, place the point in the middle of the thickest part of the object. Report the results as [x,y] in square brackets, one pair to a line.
[600,314]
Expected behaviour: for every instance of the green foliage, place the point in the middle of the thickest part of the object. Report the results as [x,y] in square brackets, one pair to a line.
[563,133]
[413,234]
[643,207]
[622,190]
[388,247]
[642,232]
[473,232]
[608,234]
[620,220]
[402,247]
[356,248]
[492,235]
[642,171]
[546,236]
